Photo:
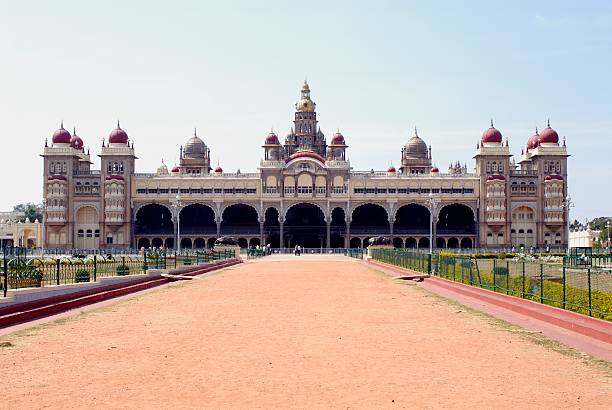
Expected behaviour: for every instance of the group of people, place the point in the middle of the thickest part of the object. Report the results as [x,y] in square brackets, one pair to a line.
[267,249]
[297,251]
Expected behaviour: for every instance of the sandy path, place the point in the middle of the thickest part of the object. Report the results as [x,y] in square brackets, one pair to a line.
[278,334]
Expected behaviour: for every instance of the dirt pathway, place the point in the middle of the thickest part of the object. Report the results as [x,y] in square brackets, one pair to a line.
[315,334]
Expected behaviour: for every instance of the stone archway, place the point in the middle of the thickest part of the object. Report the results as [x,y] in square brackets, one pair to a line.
[411,219]
[198,219]
[305,226]
[240,219]
[456,219]
[87,227]
[370,219]
[271,227]
[337,228]
[153,219]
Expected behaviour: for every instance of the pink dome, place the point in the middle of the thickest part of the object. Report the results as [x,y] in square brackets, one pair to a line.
[435,170]
[496,177]
[306,154]
[61,136]
[553,177]
[392,169]
[549,136]
[118,136]
[175,170]
[491,135]
[338,139]
[533,141]
[58,177]
[76,142]
[272,139]
[114,177]
[218,170]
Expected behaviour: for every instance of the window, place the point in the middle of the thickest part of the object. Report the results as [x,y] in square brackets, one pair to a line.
[358,190]
[89,233]
[97,233]
[381,190]
[81,233]
[184,190]
[402,191]
[174,190]
[109,240]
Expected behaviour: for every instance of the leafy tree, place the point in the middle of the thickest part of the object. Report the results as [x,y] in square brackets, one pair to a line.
[31,211]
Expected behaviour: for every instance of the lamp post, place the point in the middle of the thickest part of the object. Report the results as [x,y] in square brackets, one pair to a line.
[177,206]
[568,204]
[432,205]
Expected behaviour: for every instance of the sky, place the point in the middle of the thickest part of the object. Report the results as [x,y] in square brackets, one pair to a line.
[233,70]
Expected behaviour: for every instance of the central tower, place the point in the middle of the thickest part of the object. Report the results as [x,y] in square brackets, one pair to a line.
[305,134]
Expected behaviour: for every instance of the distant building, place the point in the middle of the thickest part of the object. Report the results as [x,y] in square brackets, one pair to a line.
[306,192]
[584,238]
[13,232]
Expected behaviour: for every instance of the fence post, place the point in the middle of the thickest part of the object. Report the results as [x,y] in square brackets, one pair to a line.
[197,258]
[95,268]
[5,267]
[123,263]
[507,277]
[144,265]
[541,283]
[564,290]
[57,270]
[589,280]
[523,284]
[494,276]
[175,259]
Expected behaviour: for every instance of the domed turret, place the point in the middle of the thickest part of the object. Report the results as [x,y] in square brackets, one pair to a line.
[163,169]
[534,140]
[61,136]
[435,170]
[391,170]
[549,136]
[118,136]
[416,147]
[305,104]
[76,142]
[176,170]
[491,136]
[272,139]
[195,148]
[338,139]
[218,170]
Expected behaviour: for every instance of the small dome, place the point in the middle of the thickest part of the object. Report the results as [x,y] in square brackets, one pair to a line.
[496,177]
[56,177]
[553,177]
[76,142]
[61,136]
[435,170]
[218,170]
[163,169]
[115,178]
[416,147]
[391,170]
[534,140]
[338,139]
[175,170]
[118,136]
[272,139]
[492,135]
[549,136]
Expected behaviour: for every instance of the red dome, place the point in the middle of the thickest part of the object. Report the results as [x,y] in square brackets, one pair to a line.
[175,170]
[496,178]
[391,169]
[338,139]
[491,135]
[76,142]
[533,141]
[435,170]
[118,136]
[551,177]
[272,139]
[114,177]
[549,136]
[306,154]
[61,136]
[58,177]
[218,170]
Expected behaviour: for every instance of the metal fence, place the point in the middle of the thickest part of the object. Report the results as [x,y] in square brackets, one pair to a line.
[24,272]
[582,289]
[356,253]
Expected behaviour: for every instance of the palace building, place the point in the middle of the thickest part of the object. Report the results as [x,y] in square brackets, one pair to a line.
[306,192]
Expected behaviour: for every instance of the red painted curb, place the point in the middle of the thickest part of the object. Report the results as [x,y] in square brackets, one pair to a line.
[28,311]
[591,327]
[401,271]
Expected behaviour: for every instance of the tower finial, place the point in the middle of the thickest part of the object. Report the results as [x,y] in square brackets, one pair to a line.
[548,123]
[195,132]
[73,130]
[416,134]
[491,122]
[536,130]
[62,125]
[118,126]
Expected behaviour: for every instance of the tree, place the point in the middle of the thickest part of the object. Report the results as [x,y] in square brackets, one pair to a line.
[31,211]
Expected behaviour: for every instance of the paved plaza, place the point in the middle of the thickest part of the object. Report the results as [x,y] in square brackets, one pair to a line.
[291,332]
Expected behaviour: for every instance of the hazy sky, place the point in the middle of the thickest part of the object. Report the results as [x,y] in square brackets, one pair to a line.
[376,69]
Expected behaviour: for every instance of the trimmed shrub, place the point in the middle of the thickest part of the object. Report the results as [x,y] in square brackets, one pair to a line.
[82,275]
[123,270]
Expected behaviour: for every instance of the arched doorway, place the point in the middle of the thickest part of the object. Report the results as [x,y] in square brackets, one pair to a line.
[254,242]
[169,243]
[456,219]
[411,243]
[197,219]
[87,228]
[370,219]
[398,242]
[271,228]
[305,226]
[411,219]
[211,242]
[452,243]
[157,242]
[240,219]
[186,243]
[466,243]
[440,243]
[423,243]
[355,243]
[199,243]
[144,243]
[153,219]
[243,243]
[337,228]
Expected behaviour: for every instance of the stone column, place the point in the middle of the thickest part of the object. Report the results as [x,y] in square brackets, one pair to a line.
[391,230]
[218,229]
[348,233]
[261,233]
[328,237]
[281,222]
